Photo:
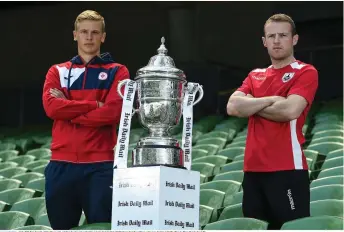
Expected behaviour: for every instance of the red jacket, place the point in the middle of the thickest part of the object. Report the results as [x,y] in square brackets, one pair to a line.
[82,132]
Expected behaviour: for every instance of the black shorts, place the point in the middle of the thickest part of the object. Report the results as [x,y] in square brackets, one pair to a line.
[276,197]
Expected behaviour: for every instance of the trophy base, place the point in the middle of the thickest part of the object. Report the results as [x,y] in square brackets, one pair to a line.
[152,151]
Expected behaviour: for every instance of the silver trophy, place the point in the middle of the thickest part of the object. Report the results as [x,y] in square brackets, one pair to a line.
[160,95]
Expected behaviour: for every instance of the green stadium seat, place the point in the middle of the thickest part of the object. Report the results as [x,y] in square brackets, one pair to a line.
[212,198]
[326,126]
[7,146]
[327,192]
[233,175]
[315,223]
[220,142]
[217,160]
[239,158]
[34,227]
[226,186]
[4,206]
[206,169]
[335,153]
[203,178]
[237,144]
[8,154]
[332,163]
[337,139]
[6,184]
[35,207]
[234,166]
[330,207]
[311,154]
[234,199]
[37,185]
[325,147]
[25,178]
[8,164]
[240,138]
[198,153]
[45,157]
[215,134]
[95,226]
[328,133]
[230,153]
[211,148]
[338,171]
[231,211]
[47,146]
[39,152]
[43,220]
[42,139]
[327,181]
[9,172]
[207,215]
[23,159]
[237,224]
[12,196]
[12,219]
[39,169]
[35,164]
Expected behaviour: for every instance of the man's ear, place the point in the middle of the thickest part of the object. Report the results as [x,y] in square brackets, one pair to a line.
[264,41]
[295,39]
[103,37]
[74,35]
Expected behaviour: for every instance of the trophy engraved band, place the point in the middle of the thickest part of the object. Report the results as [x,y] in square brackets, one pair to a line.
[163,95]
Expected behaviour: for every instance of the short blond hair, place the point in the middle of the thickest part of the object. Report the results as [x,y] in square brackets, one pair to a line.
[89,15]
[282,18]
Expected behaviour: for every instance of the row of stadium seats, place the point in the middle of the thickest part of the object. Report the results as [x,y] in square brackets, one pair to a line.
[218,153]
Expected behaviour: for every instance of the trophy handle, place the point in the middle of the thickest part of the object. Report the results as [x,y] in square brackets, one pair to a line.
[200,96]
[120,85]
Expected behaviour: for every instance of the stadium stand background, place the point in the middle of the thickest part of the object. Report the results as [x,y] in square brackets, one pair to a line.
[216,44]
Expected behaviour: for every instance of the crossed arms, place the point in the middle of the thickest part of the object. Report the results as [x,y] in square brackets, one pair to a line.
[273,108]
[83,112]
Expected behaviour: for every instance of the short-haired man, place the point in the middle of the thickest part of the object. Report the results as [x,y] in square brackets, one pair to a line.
[80,95]
[277,100]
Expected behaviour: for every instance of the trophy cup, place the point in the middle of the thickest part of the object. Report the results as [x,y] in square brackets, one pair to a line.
[160,191]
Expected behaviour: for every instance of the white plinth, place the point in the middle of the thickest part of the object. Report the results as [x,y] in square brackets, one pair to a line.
[155,198]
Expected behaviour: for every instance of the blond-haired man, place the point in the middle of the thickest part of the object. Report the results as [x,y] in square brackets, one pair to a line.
[80,95]
[277,100]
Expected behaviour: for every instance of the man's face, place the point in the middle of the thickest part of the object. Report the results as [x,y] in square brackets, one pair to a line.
[279,40]
[89,35]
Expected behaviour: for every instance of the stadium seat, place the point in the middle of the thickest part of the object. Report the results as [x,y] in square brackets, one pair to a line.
[6,184]
[9,172]
[237,224]
[23,159]
[95,226]
[335,153]
[327,181]
[27,177]
[220,142]
[234,166]
[334,191]
[8,164]
[215,134]
[226,186]
[237,144]
[328,133]
[35,207]
[207,215]
[9,154]
[230,153]
[233,175]
[211,148]
[234,199]
[338,171]
[311,154]
[206,169]
[212,198]
[325,147]
[198,153]
[203,179]
[35,164]
[39,169]
[231,211]
[337,139]
[12,196]
[332,163]
[12,219]
[7,146]
[34,227]
[239,158]
[37,184]
[39,152]
[217,160]
[326,126]
[330,207]
[240,138]
[315,223]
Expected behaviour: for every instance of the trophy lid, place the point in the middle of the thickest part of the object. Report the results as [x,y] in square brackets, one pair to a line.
[161,66]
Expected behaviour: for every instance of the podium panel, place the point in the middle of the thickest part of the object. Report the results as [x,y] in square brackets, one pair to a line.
[155,198]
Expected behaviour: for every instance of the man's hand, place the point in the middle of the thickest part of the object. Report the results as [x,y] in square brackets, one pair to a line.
[57,93]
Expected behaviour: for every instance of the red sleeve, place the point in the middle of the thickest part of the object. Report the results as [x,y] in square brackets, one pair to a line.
[58,108]
[110,112]
[306,85]
[245,87]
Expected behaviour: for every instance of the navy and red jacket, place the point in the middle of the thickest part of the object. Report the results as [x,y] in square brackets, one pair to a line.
[83,132]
